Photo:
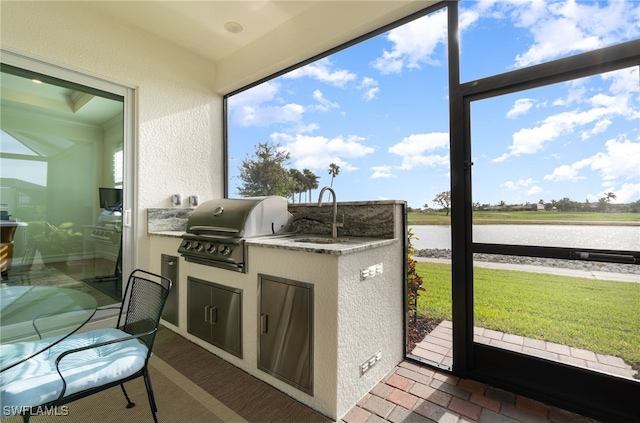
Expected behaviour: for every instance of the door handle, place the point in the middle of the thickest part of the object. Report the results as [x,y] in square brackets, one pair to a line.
[264,323]
[213,315]
[582,255]
[206,314]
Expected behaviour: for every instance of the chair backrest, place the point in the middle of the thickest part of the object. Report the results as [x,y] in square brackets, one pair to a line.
[144,299]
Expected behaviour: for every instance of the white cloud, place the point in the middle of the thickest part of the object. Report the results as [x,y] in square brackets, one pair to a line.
[575,93]
[534,190]
[526,182]
[520,107]
[259,94]
[419,143]
[580,26]
[412,147]
[370,87]
[252,107]
[620,161]
[323,71]
[616,102]
[317,152]
[414,44]
[382,172]
[625,194]
[509,185]
[598,128]
[564,173]
[323,105]
[410,162]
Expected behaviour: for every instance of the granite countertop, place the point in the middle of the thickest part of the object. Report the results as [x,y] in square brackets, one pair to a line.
[318,244]
[173,234]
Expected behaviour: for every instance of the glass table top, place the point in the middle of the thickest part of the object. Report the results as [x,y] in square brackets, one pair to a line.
[33,318]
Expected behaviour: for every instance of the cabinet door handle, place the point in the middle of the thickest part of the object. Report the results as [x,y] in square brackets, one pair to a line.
[264,323]
[213,315]
[206,313]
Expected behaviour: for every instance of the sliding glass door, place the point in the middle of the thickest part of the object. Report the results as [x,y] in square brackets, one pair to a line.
[62,180]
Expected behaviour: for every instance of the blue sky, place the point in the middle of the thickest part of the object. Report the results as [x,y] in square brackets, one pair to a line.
[380,110]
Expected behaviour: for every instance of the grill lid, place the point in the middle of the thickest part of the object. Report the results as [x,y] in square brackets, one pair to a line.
[240,217]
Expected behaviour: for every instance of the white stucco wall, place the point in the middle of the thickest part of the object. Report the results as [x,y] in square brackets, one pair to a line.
[179,116]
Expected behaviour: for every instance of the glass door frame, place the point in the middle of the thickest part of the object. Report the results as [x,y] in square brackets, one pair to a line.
[581,390]
[128,94]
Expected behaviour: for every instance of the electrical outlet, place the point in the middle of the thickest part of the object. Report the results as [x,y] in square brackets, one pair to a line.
[371,271]
[370,362]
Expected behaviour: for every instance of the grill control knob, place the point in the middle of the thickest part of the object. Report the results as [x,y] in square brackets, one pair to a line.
[186,244]
[198,246]
[210,248]
[224,250]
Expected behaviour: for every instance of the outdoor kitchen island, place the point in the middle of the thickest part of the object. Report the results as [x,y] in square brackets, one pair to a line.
[355,300]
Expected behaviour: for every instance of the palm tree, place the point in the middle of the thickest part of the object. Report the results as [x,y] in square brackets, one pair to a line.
[298,184]
[312,180]
[609,196]
[334,170]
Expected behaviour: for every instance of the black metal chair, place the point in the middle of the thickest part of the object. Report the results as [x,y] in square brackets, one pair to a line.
[112,356]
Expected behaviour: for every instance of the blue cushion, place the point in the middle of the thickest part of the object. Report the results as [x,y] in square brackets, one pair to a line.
[36,381]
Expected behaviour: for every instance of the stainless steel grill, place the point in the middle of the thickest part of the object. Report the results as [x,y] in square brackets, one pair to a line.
[108,227]
[217,229]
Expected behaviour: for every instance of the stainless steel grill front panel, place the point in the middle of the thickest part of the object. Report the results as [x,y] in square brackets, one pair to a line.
[217,229]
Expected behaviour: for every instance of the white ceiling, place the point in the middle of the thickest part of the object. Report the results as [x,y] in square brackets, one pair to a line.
[199,26]
[276,34]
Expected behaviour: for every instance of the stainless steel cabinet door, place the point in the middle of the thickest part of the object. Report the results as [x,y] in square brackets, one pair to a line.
[286,331]
[199,297]
[215,314]
[225,317]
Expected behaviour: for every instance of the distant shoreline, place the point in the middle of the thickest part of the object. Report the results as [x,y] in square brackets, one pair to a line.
[530,218]
[623,268]
[538,222]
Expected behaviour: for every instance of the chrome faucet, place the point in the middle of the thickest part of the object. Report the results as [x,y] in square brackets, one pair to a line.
[334,225]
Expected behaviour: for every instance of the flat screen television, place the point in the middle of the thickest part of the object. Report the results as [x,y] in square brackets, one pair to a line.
[110,198]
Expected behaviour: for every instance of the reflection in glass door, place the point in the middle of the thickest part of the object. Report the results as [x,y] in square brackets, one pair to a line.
[61,183]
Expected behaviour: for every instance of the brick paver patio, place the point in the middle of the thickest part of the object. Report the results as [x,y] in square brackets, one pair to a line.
[417,394]
[414,393]
[437,347]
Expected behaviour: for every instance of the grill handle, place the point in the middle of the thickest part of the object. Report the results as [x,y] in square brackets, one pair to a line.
[212,229]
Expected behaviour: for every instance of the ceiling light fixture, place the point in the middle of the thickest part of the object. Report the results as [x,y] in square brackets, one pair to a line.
[233,27]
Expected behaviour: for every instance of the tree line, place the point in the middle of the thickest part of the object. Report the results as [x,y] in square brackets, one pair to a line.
[565,204]
[267,173]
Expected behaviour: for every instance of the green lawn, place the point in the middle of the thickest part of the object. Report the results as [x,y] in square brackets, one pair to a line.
[600,316]
[527,217]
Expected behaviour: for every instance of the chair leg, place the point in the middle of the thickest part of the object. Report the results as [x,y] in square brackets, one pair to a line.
[152,400]
[129,403]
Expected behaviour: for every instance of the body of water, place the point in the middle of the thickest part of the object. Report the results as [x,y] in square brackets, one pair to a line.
[571,236]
